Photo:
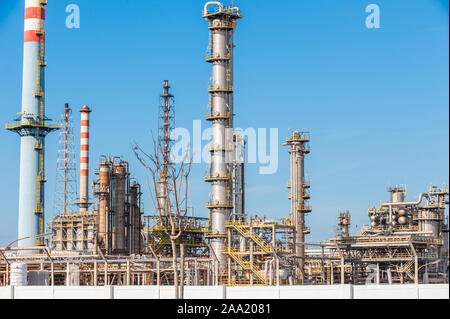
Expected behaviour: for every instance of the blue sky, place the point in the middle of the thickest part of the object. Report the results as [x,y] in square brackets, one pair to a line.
[375,100]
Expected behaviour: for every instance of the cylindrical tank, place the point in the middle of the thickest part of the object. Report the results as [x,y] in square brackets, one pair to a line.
[283,274]
[73,275]
[397,195]
[429,222]
[242,244]
[38,278]
[19,274]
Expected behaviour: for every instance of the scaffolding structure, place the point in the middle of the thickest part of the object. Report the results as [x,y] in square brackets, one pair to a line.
[259,252]
[192,238]
[73,232]
[68,269]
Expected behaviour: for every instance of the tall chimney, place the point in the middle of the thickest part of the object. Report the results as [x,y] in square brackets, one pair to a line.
[32,127]
[84,159]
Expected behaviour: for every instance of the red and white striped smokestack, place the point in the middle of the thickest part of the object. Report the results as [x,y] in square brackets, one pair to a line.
[34,20]
[84,159]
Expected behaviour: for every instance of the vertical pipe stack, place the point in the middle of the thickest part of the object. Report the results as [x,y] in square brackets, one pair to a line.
[238,178]
[222,24]
[84,159]
[32,126]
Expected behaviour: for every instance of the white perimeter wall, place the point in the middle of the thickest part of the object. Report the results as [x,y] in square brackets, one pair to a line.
[220,292]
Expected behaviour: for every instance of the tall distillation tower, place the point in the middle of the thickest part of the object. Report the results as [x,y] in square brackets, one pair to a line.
[221,23]
[299,147]
[32,126]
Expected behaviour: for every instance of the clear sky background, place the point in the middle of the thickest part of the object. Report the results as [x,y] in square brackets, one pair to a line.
[376,101]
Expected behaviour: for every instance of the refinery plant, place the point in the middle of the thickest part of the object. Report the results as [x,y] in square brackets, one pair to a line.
[102,235]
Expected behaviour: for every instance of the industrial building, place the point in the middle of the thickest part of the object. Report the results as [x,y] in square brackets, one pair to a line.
[110,240]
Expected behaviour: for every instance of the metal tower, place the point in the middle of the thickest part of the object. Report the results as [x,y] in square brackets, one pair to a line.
[66,180]
[32,126]
[221,23]
[166,125]
[299,147]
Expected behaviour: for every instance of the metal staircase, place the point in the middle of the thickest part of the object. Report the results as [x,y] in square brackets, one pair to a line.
[260,242]
[246,265]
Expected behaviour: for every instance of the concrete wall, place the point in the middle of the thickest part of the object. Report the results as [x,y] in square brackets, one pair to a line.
[317,292]
[220,292]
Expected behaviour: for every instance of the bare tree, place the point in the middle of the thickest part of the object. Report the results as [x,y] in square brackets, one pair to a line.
[169,194]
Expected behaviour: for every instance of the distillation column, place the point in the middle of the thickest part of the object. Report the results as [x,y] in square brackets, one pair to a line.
[104,203]
[84,159]
[120,174]
[32,127]
[135,218]
[299,194]
[222,24]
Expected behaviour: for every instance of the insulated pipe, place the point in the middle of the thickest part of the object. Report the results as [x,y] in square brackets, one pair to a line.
[212,3]
[421,196]
[265,269]
[84,159]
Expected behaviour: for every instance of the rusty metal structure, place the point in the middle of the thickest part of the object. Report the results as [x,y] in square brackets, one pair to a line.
[119,209]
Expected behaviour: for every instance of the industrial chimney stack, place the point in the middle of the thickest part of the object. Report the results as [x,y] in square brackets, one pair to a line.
[32,127]
[84,159]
